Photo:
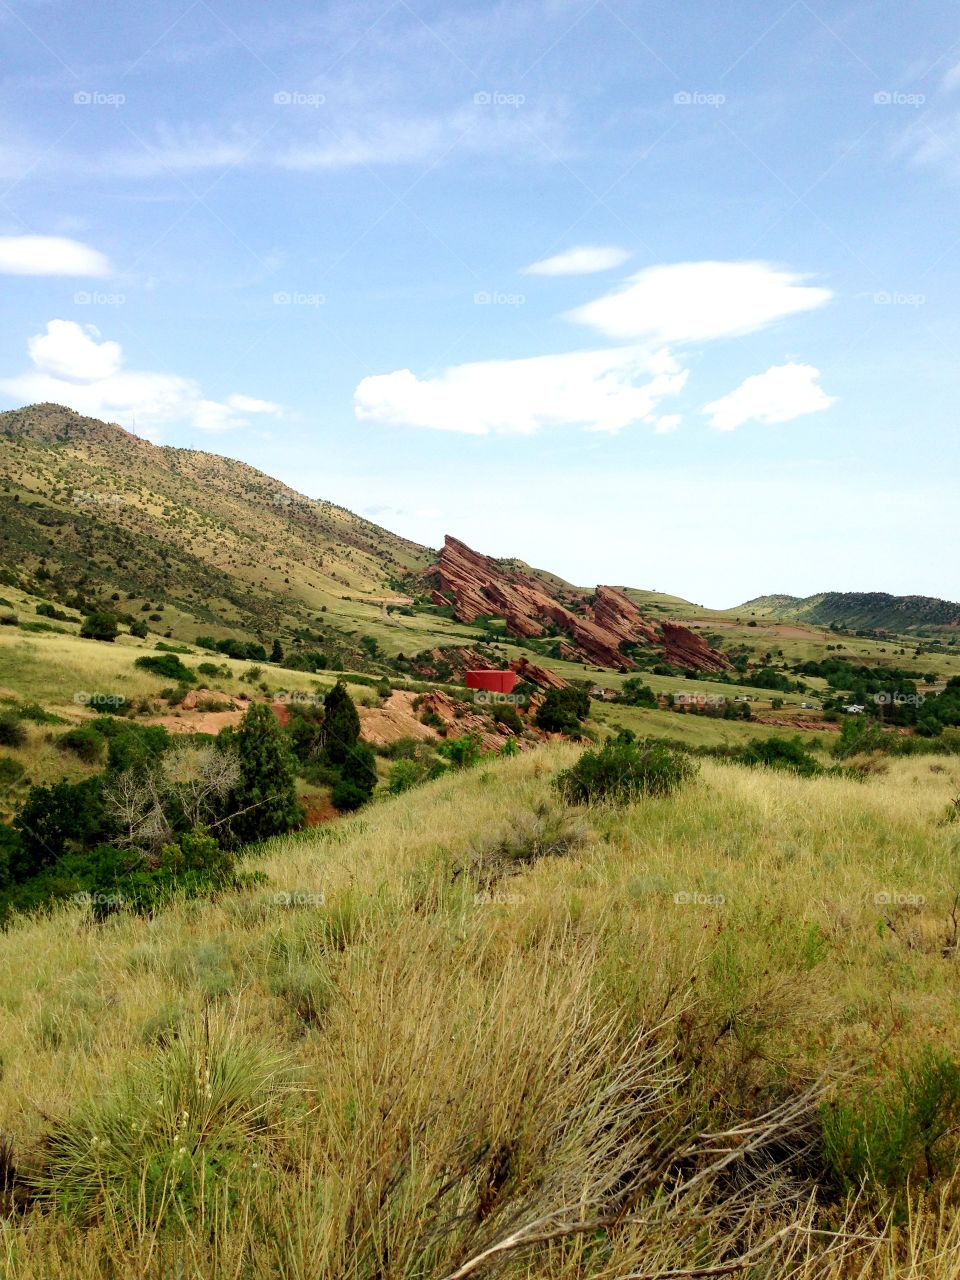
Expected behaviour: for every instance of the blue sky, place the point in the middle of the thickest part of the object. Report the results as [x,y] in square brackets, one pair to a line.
[664,295]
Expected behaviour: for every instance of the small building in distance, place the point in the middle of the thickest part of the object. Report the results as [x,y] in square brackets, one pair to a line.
[492,681]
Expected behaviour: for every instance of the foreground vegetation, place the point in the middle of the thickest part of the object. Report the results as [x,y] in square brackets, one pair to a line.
[483,1027]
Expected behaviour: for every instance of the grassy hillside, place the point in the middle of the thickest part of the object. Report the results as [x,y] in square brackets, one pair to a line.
[858,610]
[86,506]
[638,1041]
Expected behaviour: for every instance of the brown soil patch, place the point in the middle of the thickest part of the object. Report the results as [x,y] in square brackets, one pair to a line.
[395,719]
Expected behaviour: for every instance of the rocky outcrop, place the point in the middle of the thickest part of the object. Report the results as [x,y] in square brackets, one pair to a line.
[539,676]
[684,648]
[592,629]
[617,614]
[478,586]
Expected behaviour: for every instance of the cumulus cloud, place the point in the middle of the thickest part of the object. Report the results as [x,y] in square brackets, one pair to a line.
[50,256]
[581,261]
[71,365]
[699,301]
[598,390]
[784,392]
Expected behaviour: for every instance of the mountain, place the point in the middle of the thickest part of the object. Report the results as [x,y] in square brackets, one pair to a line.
[89,509]
[858,610]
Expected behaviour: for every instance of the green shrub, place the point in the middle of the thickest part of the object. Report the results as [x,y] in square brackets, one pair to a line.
[12,732]
[904,1131]
[405,774]
[33,712]
[624,769]
[11,771]
[563,710]
[636,694]
[59,819]
[858,735]
[168,666]
[348,796]
[463,752]
[781,753]
[85,743]
[508,714]
[100,626]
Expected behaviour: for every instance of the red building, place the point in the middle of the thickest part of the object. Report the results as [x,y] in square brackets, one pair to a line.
[492,681]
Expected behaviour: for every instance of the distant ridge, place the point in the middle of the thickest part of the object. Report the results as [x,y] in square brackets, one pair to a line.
[858,610]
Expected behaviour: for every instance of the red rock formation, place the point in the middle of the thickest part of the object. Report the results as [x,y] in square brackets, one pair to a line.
[539,676]
[479,586]
[684,648]
[617,614]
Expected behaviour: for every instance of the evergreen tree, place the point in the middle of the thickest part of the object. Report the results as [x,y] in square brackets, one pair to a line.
[265,799]
[341,724]
[276,653]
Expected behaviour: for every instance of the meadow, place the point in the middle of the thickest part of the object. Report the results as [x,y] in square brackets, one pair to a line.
[476,1030]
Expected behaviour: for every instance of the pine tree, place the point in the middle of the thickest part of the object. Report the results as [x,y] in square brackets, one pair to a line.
[341,724]
[265,798]
[276,653]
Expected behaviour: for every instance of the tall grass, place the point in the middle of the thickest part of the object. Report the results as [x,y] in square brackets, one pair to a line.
[471,1032]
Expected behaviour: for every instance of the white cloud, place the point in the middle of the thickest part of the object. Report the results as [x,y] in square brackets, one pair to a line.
[784,392]
[581,261]
[69,350]
[667,423]
[72,366]
[698,301]
[599,390]
[50,256]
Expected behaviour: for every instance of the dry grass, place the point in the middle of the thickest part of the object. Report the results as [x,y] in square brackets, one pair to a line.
[604,1065]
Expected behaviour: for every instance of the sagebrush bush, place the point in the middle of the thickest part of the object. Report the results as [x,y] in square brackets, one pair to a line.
[624,769]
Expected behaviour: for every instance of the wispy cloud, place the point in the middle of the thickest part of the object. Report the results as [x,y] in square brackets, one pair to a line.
[700,301]
[50,256]
[584,260]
